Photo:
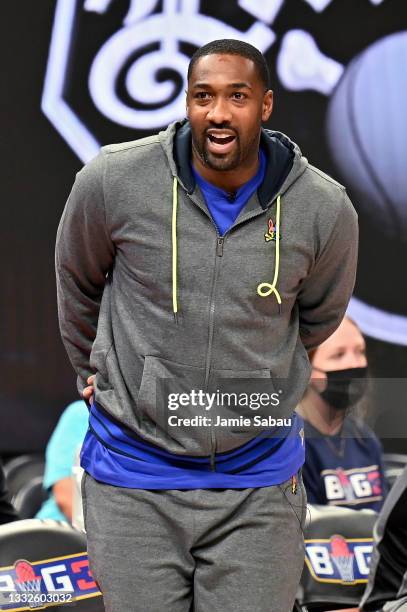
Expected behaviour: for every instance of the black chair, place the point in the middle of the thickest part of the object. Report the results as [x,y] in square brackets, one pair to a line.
[338,547]
[24,476]
[22,469]
[28,500]
[48,559]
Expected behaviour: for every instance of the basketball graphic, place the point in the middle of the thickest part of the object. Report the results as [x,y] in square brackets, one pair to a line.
[366,125]
[342,557]
[26,578]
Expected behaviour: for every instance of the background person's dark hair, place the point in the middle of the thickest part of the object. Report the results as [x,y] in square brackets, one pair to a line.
[229,46]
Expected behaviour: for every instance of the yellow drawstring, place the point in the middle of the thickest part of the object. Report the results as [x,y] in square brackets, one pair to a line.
[265,289]
[174,247]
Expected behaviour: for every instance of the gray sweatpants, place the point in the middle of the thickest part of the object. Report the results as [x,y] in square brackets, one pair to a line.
[201,550]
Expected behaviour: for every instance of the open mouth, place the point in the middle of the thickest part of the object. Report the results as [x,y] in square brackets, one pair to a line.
[220,143]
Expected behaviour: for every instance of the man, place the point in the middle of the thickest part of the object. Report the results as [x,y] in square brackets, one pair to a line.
[193,267]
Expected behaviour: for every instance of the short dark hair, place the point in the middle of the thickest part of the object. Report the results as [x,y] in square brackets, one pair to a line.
[229,46]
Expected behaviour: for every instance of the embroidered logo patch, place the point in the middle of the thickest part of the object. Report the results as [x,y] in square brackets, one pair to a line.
[271,232]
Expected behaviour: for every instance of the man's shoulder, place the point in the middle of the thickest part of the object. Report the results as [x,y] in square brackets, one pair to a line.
[139,146]
[323,179]
[125,158]
[327,195]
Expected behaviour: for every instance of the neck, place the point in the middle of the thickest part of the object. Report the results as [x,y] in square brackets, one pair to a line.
[228,180]
[319,414]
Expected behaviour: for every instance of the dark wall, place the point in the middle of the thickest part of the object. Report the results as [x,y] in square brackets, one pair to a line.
[37,169]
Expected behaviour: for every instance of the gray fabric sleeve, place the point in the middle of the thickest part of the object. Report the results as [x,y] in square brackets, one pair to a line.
[83,257]
[325,293]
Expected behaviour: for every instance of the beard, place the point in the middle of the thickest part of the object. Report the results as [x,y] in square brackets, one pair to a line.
[220,162]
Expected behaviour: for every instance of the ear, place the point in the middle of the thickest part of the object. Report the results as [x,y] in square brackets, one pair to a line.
[267,108]
[186,104]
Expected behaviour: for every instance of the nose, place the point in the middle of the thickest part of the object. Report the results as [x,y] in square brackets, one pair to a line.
[357,360]
[219,111]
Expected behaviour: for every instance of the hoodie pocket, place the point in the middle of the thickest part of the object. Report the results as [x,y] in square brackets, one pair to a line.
[178,412]
[171,406]
[247,403]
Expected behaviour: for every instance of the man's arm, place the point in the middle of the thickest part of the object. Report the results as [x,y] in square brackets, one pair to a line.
[63,493]
[83,257]
[325,293]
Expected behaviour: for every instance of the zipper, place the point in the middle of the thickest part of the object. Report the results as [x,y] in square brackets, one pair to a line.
[219,246]
[218,254]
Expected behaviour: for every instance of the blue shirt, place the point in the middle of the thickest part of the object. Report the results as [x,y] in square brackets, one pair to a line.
[62,447]
[224,209]
[118,457]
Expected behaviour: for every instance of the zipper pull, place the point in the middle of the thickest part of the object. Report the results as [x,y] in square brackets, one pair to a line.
[219,247]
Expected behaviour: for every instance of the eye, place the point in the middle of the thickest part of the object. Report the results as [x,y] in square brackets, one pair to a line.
[238,95]
[201,95]
[337,355]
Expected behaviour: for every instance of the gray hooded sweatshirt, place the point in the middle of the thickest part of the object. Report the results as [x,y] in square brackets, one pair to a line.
[149,294]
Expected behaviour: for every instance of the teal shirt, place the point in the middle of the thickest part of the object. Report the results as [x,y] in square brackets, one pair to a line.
[67,436]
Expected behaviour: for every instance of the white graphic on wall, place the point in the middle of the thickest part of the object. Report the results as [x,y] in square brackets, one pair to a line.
[179,21]
[319,5]
[266,11]
[356,146]
[301,65]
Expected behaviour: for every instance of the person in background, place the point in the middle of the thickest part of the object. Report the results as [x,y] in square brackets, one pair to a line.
[343,458]
[386,590]
[7,512]
[60,454]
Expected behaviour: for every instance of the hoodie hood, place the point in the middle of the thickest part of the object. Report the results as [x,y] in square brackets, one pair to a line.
[285,162]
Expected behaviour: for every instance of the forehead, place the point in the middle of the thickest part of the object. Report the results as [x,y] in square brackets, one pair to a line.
[224,68]
[347,336]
